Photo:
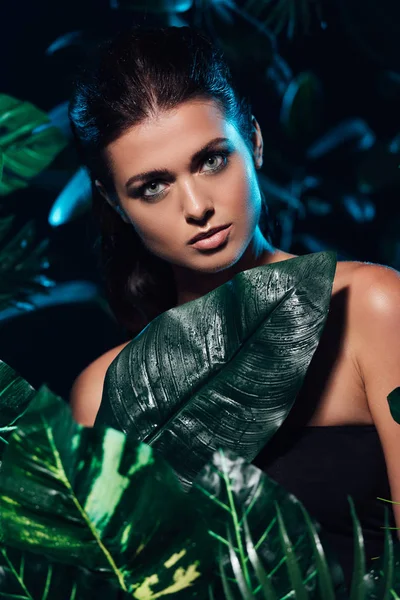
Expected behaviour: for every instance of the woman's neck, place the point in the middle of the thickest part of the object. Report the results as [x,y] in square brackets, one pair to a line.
[192,284]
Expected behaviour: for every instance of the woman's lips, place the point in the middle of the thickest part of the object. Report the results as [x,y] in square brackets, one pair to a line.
[213,241]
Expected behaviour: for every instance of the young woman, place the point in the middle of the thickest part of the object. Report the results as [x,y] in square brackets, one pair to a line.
[173,153]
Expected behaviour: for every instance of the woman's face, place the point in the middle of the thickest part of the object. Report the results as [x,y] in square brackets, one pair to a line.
[193,191]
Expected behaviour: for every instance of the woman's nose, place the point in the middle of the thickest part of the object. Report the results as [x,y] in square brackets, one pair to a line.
[197,204]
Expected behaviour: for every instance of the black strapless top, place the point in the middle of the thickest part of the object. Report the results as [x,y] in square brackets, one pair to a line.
[322,466]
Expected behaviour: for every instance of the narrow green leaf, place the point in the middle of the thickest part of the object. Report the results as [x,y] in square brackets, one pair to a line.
[235,521]
[225,583]
[240,574]
[358,585]
[323,572]
[388,561]
[291,562]
[262,576]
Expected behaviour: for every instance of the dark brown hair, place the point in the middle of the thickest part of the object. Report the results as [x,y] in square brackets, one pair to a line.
[129,79]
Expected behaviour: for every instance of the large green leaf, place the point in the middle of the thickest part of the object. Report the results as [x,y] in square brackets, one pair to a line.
[85,497]
[222,371]
[28,142]
[266,527]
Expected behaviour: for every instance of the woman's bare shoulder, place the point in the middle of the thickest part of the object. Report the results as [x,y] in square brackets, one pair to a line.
[87,389]
[363,276]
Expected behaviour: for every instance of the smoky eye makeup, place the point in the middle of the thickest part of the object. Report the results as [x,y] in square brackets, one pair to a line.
[142,190]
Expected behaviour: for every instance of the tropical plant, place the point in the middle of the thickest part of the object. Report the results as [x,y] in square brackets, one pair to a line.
[313,173]
[29,142]
[84,510]
[86,498]
[222,370]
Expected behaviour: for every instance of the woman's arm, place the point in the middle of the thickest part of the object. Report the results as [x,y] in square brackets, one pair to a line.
[375,319]
[87,389]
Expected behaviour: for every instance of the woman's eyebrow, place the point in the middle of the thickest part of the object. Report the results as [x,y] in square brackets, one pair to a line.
[164,173]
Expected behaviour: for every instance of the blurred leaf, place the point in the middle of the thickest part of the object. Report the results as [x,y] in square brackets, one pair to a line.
[72,38]
[374,27]
[360,207]
[222,370]
[278,195]
[294,15]
[346,138]
[62,294]
[244,40]
[301,110]
[278,75]
[379,167]
[84,497]
[22,262]
[73,201]
[394,404]
[389,84]
[153,6]
[58,117]
[317,207]
[28,142]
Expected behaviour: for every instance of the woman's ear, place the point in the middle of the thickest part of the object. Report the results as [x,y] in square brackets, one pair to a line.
[258,143]
[100,187]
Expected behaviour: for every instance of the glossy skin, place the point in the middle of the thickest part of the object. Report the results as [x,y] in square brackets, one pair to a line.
[357,363]
[195,197]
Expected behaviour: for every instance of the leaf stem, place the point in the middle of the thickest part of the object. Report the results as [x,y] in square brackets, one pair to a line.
[94,532]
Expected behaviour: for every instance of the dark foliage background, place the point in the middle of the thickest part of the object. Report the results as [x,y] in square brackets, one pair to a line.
[324,81]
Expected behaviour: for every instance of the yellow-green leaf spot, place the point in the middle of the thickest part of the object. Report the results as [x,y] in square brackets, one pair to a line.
[182,579]
[143,591]
[75,441]
[125,536]
[174,559]
[109,485]
[144,458]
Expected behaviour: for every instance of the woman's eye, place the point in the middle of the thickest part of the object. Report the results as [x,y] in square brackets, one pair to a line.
[215,166]
[153,191]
